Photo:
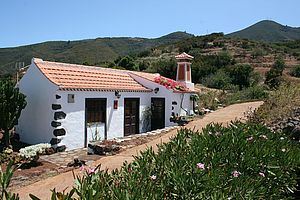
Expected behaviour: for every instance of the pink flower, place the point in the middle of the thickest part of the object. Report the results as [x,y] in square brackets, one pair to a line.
[153,177]
[236,173]
[262,174]
[82,168]
[200,166]
[250,139]
[91,171]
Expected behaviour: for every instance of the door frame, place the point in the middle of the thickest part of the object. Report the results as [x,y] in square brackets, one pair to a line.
[164,114]
[85,119]
[137,115]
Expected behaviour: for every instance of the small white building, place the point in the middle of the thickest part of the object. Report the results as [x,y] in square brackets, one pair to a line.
[69,105]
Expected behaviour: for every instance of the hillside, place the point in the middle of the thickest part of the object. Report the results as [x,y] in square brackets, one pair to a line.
[93,51]
[268,31]
[216,51]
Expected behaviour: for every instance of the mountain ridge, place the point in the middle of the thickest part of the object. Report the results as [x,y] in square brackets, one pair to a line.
[96,51]
[268,31]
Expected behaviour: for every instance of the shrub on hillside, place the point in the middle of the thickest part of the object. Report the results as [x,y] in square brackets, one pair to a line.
[274,75]
[242,161]
[211,99]
[240,75]
[256,92]
[280,104]
[295,71]
[218,80]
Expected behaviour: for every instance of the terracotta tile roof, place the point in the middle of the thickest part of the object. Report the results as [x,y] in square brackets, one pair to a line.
[79,77]
[184,56]
[148,76]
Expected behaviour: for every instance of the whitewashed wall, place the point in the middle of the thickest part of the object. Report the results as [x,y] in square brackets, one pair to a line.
[35,121]
[75,119]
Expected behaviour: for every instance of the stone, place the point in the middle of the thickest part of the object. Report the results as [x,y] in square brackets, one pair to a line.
[296,133]
[59,115]
[103,149]
[55,124]
[56,106]
[76,163]
[61,148]
[54,141]
[59,132]
[57,96]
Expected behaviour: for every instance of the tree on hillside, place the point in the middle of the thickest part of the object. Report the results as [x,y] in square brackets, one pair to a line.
[240,75]
[127,62]
[274,75]
[12,102]
[218,80]
[165,67]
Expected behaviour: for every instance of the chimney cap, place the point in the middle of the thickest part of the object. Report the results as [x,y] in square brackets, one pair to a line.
[184,56]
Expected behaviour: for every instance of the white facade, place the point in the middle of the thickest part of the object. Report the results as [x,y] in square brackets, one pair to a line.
[41,94]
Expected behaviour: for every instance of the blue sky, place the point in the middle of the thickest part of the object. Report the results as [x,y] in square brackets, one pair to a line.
[33,21]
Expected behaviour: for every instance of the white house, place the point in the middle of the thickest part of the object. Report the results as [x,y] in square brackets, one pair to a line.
[69,105]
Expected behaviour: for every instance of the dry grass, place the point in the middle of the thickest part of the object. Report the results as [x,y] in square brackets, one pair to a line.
[280,104]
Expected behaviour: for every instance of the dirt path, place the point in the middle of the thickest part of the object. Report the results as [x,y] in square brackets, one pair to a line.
[65,180]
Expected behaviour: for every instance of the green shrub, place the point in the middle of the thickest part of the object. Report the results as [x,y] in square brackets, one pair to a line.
[274,75]
[295,71]
[280,104]
[257,92]
[218,80]
[240,75]
[211,99]
[5,178]
[242,161]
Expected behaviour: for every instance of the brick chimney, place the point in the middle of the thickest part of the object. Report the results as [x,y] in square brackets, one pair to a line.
[184,75]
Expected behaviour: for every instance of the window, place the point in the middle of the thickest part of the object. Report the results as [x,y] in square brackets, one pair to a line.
[71,98]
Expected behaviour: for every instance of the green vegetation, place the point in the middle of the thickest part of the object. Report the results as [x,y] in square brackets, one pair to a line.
[295,71]
[274,75]
[12,102]
[213,99]
[235,162]
[98,51]
[280,104]
[5,178]
[253,93]
[268,31]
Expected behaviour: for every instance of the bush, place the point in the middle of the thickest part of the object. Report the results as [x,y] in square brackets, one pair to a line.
[219,80]
[280,104]
[257,92]
[211,99]
[5,178]
[12,102]
[295,71]
[9,156]
[240,75]
[274,76]
[31,153]
[235,162]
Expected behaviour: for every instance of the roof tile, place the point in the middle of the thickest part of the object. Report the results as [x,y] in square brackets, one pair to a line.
[72,76]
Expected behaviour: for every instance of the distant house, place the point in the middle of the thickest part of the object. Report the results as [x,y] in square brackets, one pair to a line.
[69,105]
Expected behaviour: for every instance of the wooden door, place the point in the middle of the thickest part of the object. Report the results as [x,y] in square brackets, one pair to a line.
[158,113]
[131,116]
[95,120]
